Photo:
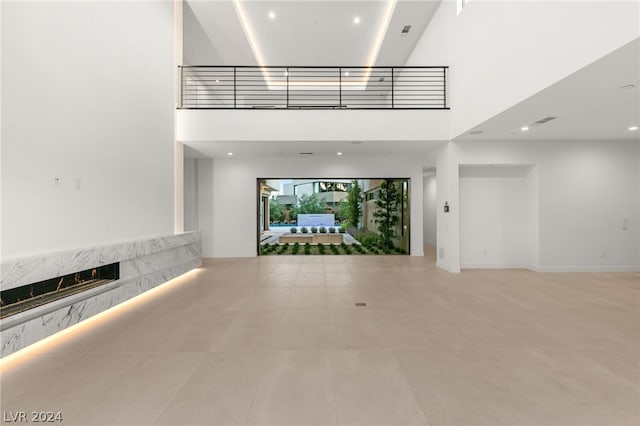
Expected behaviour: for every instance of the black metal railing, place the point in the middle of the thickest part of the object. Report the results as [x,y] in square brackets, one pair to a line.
[269,87]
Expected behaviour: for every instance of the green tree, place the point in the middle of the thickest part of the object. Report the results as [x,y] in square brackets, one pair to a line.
[311,204]
[354,204]
[276,211]
[342,211]
[386,213]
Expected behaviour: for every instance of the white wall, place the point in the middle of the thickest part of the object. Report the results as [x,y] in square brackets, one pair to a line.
[586,194]
[198,199]
[205,204]
[190,194]
[494,227]
[235,198]
[316,125]
[429,210]
[87,97]
[502,52]
[448,229]
[531,219]
[586,190]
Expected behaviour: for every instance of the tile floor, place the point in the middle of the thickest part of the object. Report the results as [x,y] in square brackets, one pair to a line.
[279,341]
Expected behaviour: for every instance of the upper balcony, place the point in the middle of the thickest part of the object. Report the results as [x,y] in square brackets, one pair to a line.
[270,87]
[243,103]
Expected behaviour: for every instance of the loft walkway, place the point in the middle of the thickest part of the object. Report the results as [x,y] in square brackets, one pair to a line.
[271,87]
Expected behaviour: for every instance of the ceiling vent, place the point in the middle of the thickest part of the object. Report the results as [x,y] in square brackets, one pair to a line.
[405,30]
[306,153]
[544,120]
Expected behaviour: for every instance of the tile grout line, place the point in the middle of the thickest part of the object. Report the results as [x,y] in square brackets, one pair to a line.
[159,416]
[413,391]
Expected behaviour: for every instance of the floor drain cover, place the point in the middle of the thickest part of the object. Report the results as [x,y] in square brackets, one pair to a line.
[361,304]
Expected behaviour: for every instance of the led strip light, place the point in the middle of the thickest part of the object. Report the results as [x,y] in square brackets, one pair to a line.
[279,85]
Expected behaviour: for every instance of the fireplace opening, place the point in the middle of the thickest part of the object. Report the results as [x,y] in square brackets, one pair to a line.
[29,296]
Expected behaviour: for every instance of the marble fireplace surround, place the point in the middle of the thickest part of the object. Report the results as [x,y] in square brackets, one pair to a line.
[144,264]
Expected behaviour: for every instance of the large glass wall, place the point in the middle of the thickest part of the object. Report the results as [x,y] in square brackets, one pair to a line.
[354,216]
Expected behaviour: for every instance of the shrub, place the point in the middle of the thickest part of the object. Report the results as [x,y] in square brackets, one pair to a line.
[283,248]
[323,230]
[293,230]
[321,249]
[343,230]
[307,248]
[332,230]
[304,230]
[369,240]
[334,249]
[296,248]
[314,230]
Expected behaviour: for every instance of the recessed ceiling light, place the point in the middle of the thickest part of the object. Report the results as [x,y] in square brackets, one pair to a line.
[476,132]
[217,81]
[628,86]
[346,73]
[229,154]
[286,73]
[272,15]
[356,20]
[633,128]
[524,128]
[339,153]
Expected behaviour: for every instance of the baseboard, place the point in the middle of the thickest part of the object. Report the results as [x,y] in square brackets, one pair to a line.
[446,267]
[492,266]
[624,268]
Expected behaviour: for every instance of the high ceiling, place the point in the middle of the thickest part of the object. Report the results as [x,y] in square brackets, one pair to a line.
[303,33]
[599,101]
